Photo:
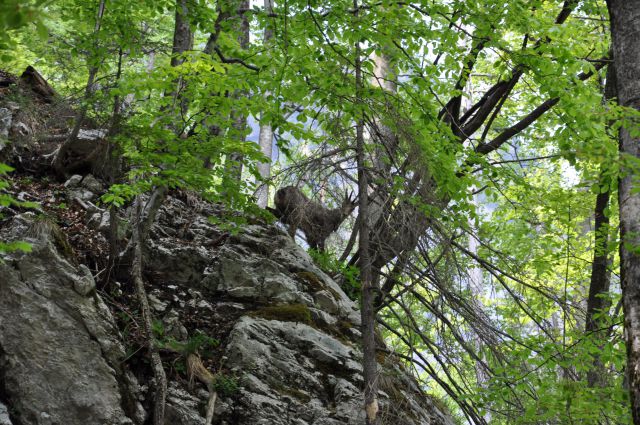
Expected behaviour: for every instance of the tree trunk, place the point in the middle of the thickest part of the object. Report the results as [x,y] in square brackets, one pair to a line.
[114,166]
[384,139]
[182,42]
[233,163]
[265,139]
[599,286]
[368,312]
[625,32]
[598,301]
[182,34]
[145,217]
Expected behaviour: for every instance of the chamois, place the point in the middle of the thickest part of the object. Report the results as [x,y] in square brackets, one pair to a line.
[315,220]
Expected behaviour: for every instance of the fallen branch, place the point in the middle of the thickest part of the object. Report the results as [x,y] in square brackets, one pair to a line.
[196,369]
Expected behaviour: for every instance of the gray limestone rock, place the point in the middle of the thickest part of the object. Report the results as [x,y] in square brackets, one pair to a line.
[266,264]
[80,194]
[73,181]
[99,221]
[294,373]
[289,372]
[5,122]
[84,284]
[58,347]
[182,408]
[4,415]
[91,135]
[90,183]
[61,356]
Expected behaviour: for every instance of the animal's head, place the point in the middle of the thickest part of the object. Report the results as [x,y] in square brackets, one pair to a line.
[338,215]
[349,202]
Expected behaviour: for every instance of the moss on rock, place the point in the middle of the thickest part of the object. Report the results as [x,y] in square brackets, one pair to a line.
[285,313]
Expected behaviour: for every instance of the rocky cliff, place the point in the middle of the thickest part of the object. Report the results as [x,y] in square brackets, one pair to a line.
[279,335]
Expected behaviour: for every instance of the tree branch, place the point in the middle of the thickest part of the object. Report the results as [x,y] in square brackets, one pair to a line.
[529,119]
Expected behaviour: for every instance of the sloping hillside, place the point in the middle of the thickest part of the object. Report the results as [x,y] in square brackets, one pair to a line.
[278,336]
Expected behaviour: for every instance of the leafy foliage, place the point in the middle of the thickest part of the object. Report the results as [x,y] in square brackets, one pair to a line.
[348,275]
[487,301]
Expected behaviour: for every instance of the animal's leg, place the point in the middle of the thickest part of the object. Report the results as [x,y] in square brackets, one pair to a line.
[320,246]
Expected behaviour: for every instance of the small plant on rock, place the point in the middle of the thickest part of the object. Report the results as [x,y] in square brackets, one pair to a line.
[346,275]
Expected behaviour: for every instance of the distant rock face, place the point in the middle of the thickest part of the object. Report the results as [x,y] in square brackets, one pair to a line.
[289,335]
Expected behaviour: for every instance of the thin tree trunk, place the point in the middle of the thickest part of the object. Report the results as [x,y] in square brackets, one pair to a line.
[598,302]
[196,369]
[182,34]
[368,312]
[476,279]
[182,42]
[265,139]
[625,28]
[386,142]
[233,163]
[114,169]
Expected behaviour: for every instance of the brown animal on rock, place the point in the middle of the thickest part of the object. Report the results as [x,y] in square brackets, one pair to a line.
[316,221]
